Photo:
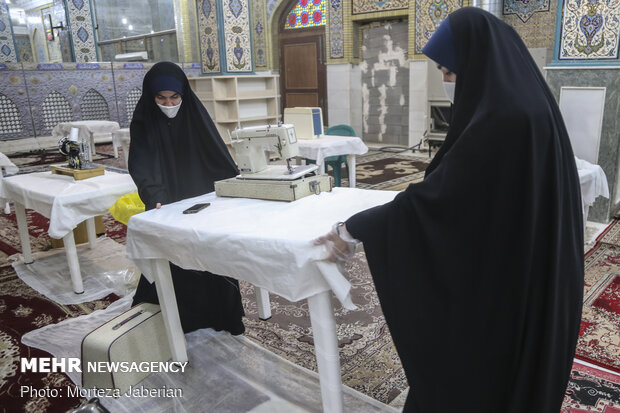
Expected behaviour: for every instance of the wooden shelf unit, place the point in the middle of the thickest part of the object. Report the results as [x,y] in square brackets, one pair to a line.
[238,101]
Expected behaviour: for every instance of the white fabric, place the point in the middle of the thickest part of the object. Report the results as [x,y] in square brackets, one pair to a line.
[330,145]
[121,136]
[104,270]
[267,243]
[65,201]
[7,166]
[592,180]
[224,374]
[87,128]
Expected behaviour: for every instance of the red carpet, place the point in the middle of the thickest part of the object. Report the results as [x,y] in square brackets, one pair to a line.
[599,336]
[611,235]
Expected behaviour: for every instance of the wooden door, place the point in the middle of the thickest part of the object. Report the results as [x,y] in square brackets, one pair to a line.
[303,80]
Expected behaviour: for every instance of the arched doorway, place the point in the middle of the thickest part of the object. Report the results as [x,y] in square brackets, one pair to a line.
[301,45]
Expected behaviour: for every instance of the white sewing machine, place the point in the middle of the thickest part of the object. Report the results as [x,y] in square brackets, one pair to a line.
[259,179]
[252,146]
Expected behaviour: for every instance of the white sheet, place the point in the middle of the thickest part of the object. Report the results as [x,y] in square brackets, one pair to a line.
[7,166]
[224,374]
[63,200]
[330,145]
[104,270]
[592,180]
[266,243]
[86,127]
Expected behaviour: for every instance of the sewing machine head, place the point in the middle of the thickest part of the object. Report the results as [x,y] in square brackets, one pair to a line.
[253,144]
[75,152]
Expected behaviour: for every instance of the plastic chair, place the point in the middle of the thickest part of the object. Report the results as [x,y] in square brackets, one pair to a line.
[336,161]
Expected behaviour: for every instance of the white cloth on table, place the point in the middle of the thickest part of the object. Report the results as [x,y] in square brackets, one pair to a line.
[267,243]
[65,201]
[87,128]
[7,166]
[330,145]
[592,180]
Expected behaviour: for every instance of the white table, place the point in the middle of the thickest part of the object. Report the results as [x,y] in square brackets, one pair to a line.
[66,203]
[121,138]
[6,168]
[593,183]
[87,130]
[331,145]
[267,243]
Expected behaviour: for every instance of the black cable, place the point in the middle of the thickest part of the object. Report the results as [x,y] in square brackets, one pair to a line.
[400,149]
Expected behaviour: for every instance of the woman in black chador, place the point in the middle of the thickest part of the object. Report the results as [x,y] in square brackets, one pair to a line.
[479,268]
[177,153]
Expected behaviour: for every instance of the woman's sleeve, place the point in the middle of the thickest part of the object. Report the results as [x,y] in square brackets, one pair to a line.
[144,168]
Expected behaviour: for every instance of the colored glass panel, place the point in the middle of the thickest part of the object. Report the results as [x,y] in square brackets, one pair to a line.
[307,13]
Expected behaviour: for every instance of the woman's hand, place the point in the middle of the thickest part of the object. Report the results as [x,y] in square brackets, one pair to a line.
[340,245]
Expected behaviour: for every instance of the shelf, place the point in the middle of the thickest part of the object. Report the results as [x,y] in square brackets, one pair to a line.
[235,101]
[253,118]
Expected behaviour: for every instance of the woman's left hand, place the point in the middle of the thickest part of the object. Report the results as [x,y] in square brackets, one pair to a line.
[339,249]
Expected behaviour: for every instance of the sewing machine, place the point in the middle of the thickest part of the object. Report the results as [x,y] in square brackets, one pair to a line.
[77,165]
[258,178]
[252,146]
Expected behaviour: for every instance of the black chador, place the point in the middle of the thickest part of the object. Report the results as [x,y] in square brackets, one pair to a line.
[479,268]
[173,158]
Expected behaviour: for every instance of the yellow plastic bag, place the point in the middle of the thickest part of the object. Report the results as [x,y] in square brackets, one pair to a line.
[127,206]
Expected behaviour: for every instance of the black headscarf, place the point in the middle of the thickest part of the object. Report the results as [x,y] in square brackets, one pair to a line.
[178,158]
[479,268]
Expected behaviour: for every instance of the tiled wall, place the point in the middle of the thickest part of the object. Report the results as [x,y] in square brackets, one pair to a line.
[588,32]
[609,147]
[533,20]
[37,96]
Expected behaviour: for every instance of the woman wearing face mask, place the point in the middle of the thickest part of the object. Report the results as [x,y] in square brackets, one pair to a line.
[479,268]
[177,153]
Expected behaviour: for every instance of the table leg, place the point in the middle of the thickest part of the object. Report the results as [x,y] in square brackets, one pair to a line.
[322,167]
[262,303]
[74,265]
[326,348]
[586,210]
[126,154]
[169,309]
[351,166]
[90,231]
[22,228]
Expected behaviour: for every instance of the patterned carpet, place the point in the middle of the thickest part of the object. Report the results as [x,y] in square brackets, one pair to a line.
[599,336]
[369,362]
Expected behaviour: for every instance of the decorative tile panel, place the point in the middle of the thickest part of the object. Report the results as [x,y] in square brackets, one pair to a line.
[429,14]
[259,33]
[336,29]
[538,28]
[7,45]
[55,109]
[23,48]
[13,87]
[589,30]
[131,101]
[524,9]
[71,81]
[371,6]
[237,44]
[94,106]
[128,79]
[10,118]
[208,23]
[82,30]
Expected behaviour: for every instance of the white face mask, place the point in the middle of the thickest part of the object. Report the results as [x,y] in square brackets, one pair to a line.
[449,88]
[170,111]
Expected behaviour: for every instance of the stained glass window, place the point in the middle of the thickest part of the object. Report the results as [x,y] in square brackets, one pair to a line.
[307,13]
